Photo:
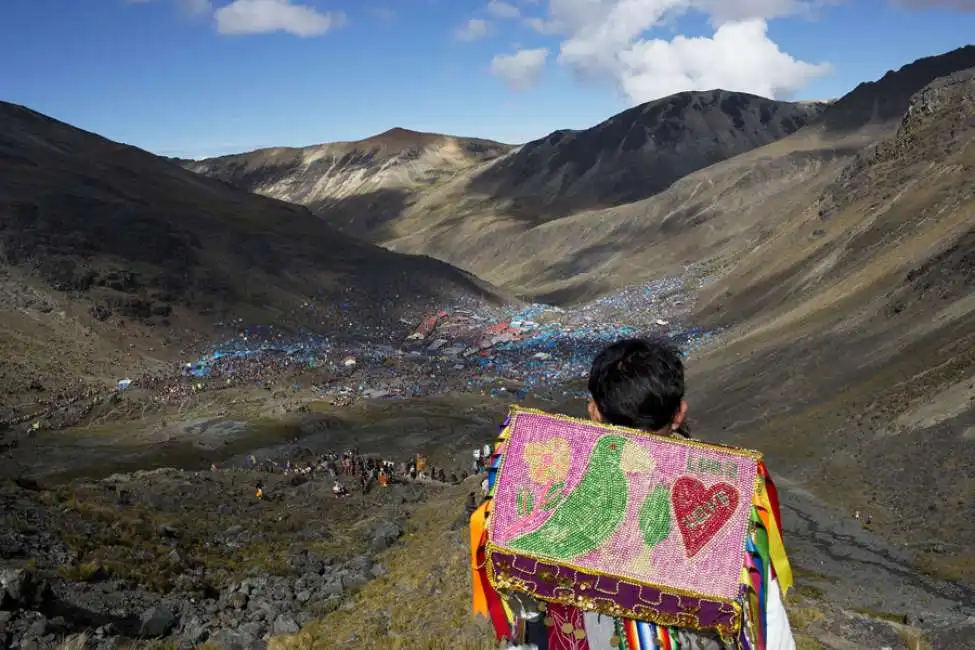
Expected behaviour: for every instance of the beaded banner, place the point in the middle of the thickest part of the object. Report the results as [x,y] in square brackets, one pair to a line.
[622,522]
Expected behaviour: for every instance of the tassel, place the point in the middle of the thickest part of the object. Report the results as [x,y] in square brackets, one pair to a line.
[767,513]
[478,575]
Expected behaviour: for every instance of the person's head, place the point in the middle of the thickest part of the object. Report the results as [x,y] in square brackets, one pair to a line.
[639,383]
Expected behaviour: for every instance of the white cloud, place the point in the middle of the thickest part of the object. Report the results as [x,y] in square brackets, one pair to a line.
[542,26]
[263,16]
[613,40]
[520,70]
[502,9]
[472,30]
[739,57]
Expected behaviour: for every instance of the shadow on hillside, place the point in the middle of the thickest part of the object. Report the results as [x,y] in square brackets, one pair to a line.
[519,181]
[81,619]
[365,216]
[569,296]
[888,98]
[582,263]
[637,153]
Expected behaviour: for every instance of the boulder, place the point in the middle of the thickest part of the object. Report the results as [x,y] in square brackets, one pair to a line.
[284,624]
[384,535]
[156,622]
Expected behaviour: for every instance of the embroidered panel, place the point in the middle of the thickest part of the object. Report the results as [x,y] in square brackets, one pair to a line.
[612,517]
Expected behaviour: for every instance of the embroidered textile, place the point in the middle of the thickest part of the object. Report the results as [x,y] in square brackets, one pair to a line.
[621,522]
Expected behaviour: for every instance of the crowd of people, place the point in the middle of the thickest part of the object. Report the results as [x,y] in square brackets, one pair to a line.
[352,467]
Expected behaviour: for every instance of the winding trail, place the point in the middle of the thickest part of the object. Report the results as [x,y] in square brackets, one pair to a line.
[859,571]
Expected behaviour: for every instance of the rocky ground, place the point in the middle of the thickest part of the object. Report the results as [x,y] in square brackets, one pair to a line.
[192,557]
[174,558]
[854,591]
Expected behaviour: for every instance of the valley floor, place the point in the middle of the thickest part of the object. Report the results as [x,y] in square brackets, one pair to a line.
[234,567]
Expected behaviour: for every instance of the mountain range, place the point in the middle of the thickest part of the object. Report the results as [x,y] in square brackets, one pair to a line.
[118,258]
[837,239]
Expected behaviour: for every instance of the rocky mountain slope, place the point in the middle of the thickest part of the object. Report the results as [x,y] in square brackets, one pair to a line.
[359,185]
[850,356]
[542,234]
[371,188]
[840,261]
[112,255]
[637,153]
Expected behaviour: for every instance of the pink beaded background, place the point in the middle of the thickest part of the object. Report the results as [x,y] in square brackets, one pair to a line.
[713,570]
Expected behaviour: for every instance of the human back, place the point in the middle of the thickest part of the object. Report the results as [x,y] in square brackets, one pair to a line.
[638,384]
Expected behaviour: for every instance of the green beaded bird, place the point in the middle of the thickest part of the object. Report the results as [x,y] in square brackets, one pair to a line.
[592,512]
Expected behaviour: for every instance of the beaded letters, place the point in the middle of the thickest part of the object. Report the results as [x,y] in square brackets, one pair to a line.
[702,512]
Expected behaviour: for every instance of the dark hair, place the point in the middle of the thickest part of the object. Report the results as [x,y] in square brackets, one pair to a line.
[638,383]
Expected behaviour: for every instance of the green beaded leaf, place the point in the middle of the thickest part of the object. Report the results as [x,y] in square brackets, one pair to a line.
[655,516]
[525,502]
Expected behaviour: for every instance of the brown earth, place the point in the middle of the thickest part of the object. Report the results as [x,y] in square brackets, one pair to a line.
[114,261]
[385,187]
[851,359]
[841,263]
[359,185]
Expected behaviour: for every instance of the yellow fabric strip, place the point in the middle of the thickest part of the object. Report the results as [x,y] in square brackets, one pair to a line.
[479,605]
[780,561]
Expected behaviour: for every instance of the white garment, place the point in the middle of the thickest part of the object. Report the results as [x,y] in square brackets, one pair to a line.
[600,630]
[779,633]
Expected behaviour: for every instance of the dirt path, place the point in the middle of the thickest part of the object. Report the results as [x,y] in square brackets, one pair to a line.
[862,572]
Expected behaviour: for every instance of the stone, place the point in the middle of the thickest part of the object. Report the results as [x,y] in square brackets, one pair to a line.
[303,596]
[20,589]
[284,624]
[195,632]
[233,639]
[156,622]
[333,588]
[308,580]
[35,643]
[384,535]
[37,629]
[103,631]
[168,531]
[262,609]
[354,580]
[13,587]
[359,564]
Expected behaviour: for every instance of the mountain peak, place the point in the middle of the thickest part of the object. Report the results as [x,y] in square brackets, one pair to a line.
[400,132]
[403,137]
[640,151]
[887,98]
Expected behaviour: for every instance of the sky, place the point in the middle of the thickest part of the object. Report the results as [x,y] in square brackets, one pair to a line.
[199,78]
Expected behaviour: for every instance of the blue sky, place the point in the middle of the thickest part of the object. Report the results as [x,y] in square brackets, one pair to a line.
[207,77]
